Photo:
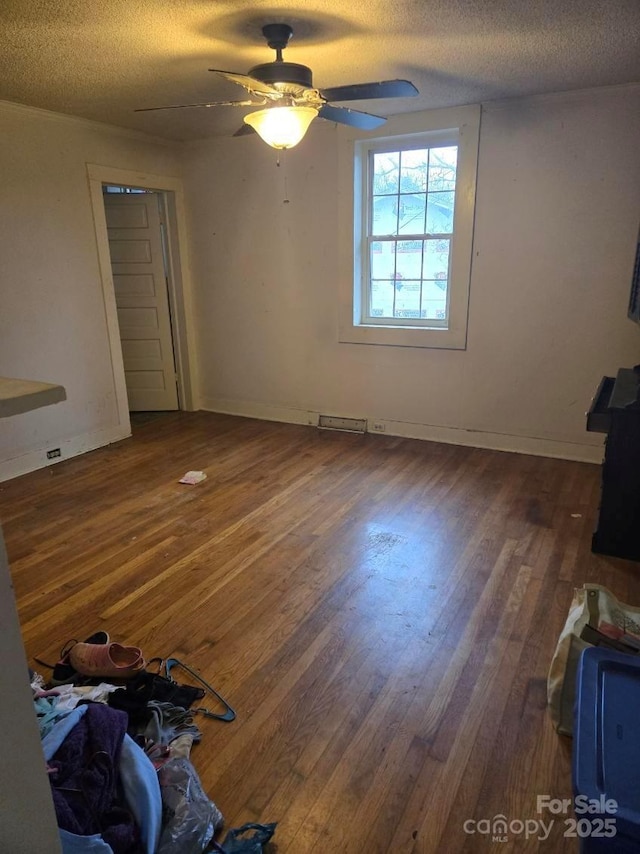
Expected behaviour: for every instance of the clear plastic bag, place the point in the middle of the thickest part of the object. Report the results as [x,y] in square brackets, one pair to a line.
[190,819]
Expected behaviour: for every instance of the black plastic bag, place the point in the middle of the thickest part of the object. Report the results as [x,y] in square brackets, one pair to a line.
[238,840]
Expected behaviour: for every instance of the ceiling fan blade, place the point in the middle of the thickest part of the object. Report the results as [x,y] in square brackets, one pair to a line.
[209,104]
[249,83]
[354,118]
[365,91]
[245,130]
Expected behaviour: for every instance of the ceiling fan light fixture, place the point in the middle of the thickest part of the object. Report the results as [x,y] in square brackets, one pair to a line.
[282,127]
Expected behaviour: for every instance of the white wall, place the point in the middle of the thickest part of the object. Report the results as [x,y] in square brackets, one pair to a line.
[52,313]
[558,204]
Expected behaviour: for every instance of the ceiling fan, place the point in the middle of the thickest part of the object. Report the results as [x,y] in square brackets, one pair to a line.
[290,101]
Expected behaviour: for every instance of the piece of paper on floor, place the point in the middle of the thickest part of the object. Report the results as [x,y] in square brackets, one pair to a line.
[192,477]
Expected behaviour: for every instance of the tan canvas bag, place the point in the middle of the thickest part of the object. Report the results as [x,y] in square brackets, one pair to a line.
[597,606]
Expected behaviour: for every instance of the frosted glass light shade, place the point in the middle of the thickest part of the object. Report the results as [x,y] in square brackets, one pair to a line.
[282,127]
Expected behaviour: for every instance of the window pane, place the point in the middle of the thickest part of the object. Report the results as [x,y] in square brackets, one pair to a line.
[382,299]
[440,213]
[413,171]
[407,299]
[434,300]
[382,259]
[411,213]
[386,172]
[436,259]
[409,260]
[385,215]
[442,168]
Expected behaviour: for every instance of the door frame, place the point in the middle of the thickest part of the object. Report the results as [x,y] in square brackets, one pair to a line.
[179,280]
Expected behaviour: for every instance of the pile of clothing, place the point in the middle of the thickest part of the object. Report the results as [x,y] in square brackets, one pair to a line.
[117,738]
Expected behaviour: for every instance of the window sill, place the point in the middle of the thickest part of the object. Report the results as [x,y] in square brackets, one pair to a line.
[405,336]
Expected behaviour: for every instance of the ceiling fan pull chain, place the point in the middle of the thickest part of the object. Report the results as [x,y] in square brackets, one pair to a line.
[285,201]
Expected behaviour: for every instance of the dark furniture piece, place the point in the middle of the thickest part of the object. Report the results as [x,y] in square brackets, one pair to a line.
[615,410]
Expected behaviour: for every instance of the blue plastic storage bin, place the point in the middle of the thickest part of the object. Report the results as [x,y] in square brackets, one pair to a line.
[606,748]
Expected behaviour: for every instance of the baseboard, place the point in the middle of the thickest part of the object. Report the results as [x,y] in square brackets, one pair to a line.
[262,411]
[535,446]
[532,445]
[34,460]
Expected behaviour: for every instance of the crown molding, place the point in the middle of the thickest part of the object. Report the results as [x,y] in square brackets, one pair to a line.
[89,124]
[565,95]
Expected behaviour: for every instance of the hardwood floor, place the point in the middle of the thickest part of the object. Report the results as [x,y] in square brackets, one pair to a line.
[380,612]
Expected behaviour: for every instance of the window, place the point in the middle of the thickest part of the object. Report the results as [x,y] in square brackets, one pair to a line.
[110,188]
[407,229]
[412,225]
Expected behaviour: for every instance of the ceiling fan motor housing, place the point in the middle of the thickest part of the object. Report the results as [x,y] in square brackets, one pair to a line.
[283,72]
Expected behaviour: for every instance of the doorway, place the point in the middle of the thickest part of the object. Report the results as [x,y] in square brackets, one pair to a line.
[168,193]
[137,233]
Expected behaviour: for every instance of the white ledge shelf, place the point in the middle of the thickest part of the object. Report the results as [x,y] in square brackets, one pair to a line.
[18,396]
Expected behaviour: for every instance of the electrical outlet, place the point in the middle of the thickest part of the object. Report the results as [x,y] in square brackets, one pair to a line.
[378,427]
[56,452]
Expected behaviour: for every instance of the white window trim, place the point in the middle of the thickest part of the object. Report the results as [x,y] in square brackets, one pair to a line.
[465,123]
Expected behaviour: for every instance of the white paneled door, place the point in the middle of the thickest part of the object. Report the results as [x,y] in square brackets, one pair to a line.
[142,300]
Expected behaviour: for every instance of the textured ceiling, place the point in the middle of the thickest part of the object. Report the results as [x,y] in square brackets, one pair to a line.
[101,59]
